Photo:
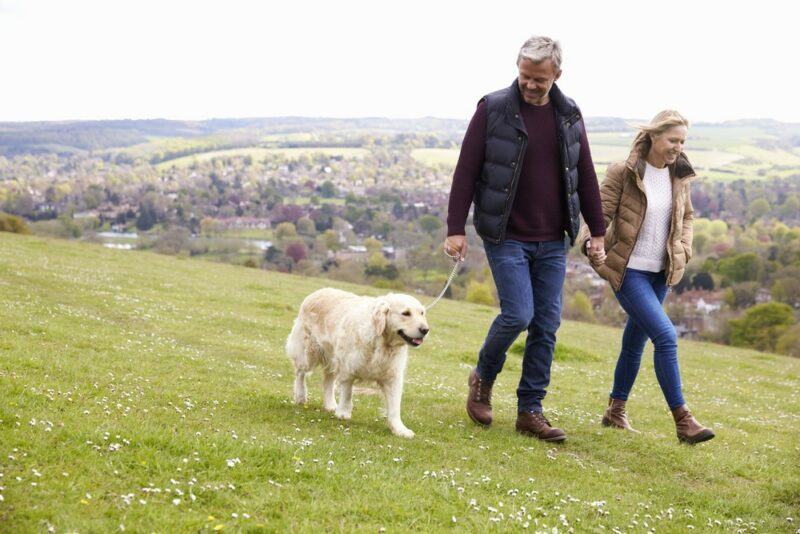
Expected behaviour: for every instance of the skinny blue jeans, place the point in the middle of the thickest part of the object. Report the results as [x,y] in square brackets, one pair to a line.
[641,295]
[529,278]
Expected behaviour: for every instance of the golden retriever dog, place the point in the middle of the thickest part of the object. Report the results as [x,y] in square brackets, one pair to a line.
[356,338]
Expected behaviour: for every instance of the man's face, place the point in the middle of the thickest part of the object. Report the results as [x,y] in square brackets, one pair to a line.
[536,79]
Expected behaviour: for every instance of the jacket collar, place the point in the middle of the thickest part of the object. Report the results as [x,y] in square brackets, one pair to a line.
[564,106]
[681,169]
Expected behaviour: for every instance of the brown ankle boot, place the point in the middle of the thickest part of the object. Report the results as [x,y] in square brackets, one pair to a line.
[616,416]
[535,424]
[688,429]
[479,400]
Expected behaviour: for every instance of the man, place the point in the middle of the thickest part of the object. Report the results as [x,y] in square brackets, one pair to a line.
[525,161]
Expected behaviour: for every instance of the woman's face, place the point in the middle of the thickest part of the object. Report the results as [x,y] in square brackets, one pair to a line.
[668,145]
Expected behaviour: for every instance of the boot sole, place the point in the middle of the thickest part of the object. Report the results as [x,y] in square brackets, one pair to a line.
[608,423]
[479,423]
[697,439]
[556,439]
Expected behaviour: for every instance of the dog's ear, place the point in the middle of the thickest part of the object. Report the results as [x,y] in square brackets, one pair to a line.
[379,312]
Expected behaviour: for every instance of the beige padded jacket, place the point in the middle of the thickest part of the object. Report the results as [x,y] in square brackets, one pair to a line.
[624,204]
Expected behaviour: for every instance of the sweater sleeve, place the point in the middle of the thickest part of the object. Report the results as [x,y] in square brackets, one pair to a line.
[467,172]
[589,190]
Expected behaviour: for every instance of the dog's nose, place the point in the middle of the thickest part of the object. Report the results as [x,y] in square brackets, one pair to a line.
[424,331]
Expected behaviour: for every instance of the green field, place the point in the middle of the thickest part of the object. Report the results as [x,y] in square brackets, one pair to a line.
[436,156]
[151,393]
[604,154]
[260,153]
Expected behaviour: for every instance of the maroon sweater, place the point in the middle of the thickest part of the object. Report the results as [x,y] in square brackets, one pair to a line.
[539,212]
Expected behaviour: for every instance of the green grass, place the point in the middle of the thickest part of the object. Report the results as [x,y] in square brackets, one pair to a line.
[129,382]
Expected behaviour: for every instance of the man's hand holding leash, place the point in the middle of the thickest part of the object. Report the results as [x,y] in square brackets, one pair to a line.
[455,246]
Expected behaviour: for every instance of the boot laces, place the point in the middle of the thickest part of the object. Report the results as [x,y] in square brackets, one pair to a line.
[539,418]
[483,393]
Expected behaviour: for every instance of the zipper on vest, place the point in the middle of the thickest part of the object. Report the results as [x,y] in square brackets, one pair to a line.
[512,188]
[565,177]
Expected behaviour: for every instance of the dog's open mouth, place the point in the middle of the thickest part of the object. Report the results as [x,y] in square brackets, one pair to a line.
[413,341]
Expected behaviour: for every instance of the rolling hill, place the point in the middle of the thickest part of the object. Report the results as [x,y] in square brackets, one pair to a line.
[151,393]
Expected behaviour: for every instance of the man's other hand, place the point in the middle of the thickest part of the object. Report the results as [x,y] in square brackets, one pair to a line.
[596,251]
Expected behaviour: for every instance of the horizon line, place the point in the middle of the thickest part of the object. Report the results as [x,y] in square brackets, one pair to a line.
[364,117]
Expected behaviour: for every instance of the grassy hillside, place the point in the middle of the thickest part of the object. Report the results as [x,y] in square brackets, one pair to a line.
[151,393]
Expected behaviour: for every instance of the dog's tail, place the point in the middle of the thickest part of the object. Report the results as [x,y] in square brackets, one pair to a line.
[295,345]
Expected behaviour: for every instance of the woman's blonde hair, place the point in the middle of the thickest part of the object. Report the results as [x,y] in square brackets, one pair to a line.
[663,121]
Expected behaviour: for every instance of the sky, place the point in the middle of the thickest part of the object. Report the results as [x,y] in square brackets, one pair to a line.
[193,60]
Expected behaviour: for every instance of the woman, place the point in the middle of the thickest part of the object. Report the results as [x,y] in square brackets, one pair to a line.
[648,213]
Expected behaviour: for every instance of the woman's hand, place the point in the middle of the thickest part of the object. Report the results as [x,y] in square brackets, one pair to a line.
[595,250]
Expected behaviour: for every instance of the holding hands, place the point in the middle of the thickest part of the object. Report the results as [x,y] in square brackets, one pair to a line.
[595,250]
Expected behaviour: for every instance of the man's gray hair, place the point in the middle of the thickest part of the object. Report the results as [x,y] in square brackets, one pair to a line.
[539,48]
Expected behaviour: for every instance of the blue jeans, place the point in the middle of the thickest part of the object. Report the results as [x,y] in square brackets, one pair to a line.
[641,295]
[529,278]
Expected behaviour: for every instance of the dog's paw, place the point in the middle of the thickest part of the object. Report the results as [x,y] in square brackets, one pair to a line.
[330,409]
[300,399]
[403,432]
[344,416]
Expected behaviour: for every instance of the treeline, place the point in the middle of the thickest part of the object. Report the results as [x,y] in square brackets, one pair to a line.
[316,207]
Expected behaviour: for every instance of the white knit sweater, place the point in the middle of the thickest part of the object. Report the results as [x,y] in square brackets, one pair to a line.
[650,251]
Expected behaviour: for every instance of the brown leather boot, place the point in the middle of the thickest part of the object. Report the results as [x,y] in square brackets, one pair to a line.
[479,400]
[616,416]
[535,424]
[688,429]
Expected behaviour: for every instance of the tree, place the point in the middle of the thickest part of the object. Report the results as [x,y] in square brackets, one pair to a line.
[12,223]
[373,245]
[306,226]
[296,250]
[789,342]
[147,217]
[579,308]
[740,268]
[209,226]
[331,238]
[761,326]
[699,243]
[787,290]
[327,189]
[758,208]
[718,228]
[377,261]
[703,280]
[172,241]
[790,207]
[480,293]
[285,230]
[741,295]
[430,223]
